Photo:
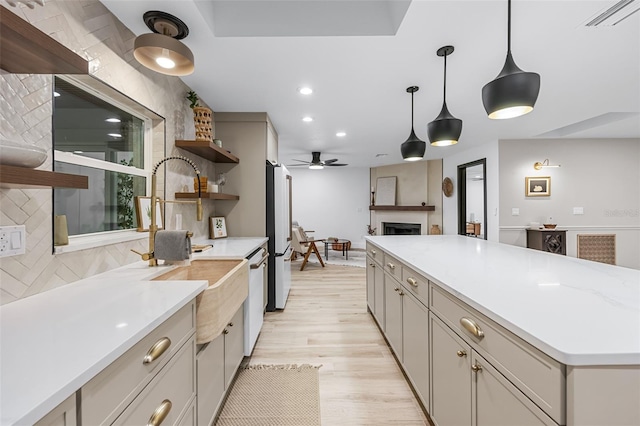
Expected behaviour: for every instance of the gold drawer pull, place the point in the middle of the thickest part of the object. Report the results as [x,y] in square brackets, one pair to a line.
[472,327]
[476,367]
[156,350]
[373,252]
[373,265]
[396,289]
[225,331]
[412,281]
[461,353]
[160,414]
[391,266]
[230,324]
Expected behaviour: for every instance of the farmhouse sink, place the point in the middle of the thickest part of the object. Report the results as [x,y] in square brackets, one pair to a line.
[227,290]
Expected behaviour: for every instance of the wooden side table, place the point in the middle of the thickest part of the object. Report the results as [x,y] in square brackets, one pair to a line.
[549,240]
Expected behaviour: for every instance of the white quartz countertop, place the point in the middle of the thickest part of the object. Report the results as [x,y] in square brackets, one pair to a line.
[52,343]
[578,312]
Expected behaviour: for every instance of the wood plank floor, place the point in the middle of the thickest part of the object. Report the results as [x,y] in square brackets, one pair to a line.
[326,322]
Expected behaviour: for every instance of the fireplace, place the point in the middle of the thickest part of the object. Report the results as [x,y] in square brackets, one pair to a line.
[394,228]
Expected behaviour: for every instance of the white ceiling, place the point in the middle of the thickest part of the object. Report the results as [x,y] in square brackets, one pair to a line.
[590,76]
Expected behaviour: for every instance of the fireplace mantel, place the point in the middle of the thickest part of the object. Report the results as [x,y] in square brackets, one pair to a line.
[404,208]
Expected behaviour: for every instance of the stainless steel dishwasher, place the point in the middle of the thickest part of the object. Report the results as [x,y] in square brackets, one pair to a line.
[254,304]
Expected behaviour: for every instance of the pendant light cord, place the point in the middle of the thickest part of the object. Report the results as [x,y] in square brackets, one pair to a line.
[444,90]
[509,27]
[411,110]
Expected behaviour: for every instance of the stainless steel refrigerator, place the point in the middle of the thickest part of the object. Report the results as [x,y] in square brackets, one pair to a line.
[279,233]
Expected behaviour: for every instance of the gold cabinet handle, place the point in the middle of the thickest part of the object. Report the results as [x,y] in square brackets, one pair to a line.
[156,350]
[401,293]
[391,265]
[412,281]
[230,324]
[373,265]
[160,414]
[476,367]
[373,252]
[396,289]
[472,327]
[461,353]
[225,331]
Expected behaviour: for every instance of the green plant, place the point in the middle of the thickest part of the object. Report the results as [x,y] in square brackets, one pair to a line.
[193,98]
[125,198]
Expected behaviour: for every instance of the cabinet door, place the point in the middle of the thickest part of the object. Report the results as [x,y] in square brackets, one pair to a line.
[210,379]
[371,285]
[497,402]
[379,296]
[450,376]
[63,415]
[393,314]
[415,344]
[233,346]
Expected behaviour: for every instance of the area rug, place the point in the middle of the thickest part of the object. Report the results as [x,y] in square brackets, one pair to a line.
[273,395]
[356,258]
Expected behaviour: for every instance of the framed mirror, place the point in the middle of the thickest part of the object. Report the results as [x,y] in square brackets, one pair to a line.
[472,199]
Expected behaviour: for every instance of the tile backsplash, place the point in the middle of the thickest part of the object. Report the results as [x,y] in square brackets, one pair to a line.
[90,30]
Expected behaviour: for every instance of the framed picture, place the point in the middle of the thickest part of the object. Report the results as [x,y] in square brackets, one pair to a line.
[537,186]
[386,191]
[217,227]
[143,213]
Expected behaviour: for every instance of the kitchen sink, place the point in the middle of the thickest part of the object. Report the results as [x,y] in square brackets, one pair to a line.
[227,290]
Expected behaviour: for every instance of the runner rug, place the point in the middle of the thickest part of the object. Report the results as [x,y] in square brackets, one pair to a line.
[273,395]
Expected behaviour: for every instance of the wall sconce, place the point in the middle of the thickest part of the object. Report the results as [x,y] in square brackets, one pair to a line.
[538,165]
[162,51]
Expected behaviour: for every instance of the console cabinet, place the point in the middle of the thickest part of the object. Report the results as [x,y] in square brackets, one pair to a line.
[375,285]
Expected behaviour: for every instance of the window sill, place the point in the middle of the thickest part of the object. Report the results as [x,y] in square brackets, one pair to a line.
[84,242]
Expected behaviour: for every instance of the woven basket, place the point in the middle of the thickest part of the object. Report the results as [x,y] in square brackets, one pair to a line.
[203,121]
[338,246]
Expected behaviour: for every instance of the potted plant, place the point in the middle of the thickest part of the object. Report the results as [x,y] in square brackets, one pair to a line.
[202,118]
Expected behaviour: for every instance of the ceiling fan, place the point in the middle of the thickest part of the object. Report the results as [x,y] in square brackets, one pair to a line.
[316,163]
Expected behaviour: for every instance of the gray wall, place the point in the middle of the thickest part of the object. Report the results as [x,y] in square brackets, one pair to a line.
[600,175]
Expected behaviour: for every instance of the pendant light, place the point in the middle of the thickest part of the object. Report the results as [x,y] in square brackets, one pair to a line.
[162,51]
[513,92]
[413,148]
[445,129]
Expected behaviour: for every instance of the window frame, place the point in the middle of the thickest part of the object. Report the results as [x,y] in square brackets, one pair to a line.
[103,238]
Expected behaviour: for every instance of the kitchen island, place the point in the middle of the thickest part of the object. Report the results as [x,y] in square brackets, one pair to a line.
[561,334]
[54,343]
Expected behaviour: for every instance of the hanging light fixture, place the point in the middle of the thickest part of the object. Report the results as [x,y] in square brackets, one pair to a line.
[445,129]
[162,51]
[413,148]
[513,92]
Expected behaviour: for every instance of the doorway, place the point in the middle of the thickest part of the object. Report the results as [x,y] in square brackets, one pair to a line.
[472,199]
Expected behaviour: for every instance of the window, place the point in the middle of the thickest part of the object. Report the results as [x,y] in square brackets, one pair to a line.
[97,137]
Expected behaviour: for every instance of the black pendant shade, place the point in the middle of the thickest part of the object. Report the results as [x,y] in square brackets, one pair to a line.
[445,129]
[413,148]
[513,92]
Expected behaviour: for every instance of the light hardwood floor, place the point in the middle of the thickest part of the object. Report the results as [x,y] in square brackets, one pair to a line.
[326,322]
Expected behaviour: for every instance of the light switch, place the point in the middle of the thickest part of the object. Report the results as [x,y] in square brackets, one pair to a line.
[12,240]
[515,211]
[578,210]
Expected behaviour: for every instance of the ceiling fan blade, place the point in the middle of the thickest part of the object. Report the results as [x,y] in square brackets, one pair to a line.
[302,161]
[297,165]
[333,160]
[336,164]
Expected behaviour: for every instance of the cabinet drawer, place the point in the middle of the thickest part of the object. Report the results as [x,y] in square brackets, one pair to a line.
[537,375]
[393,266]
[107,394]
[416,284]
[375,253]
[173,388]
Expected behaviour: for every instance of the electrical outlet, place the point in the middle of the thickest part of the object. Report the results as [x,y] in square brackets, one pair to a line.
[578,210]
[515,211]
[12,240]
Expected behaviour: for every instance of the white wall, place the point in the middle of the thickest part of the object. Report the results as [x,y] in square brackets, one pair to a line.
[600,175]
[333,202]
[450,204]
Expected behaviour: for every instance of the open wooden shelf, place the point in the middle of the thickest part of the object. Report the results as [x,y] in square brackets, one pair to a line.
[19,177]
[27,50]
[207,150]
[208,195]
[404,208]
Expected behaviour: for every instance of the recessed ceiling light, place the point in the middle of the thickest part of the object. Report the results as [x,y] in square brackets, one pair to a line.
[56,94]
[78,152]
[341,134]
[113,120]
[115,135]
[305,90]
[307,119]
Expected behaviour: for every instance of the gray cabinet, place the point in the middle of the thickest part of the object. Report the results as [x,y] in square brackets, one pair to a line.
[233,346]
[415,344]
[393,314]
